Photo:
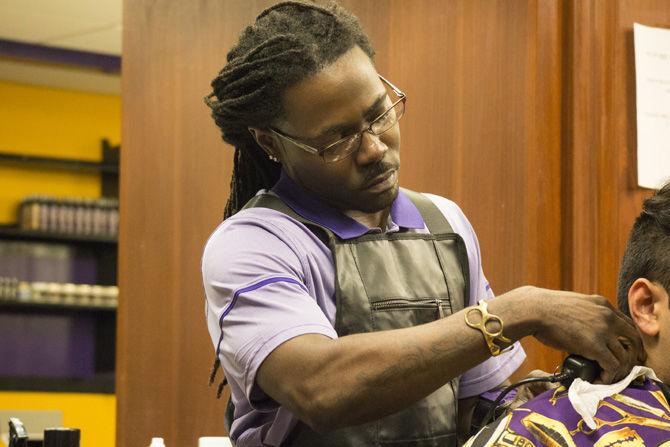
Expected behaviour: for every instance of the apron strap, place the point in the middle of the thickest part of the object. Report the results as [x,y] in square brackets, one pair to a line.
[432,216]
[272,201]
[438,224]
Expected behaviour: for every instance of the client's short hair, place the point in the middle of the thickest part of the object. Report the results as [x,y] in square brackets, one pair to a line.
[647,253]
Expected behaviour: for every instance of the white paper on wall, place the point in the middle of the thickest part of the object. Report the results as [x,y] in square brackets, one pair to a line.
[652,74]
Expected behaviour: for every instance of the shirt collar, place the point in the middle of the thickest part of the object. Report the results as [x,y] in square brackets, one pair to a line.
[403,212]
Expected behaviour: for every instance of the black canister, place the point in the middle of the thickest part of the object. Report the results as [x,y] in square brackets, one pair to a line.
[61,437]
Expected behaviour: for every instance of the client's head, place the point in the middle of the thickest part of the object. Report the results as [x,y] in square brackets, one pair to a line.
[644,280]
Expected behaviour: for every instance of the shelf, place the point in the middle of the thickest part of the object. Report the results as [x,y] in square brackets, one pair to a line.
[96,325]
[102,384]
[22,306]
[15,233]
[59,163]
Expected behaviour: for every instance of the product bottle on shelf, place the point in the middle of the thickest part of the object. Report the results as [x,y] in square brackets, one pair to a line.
[61,437]
[43,213]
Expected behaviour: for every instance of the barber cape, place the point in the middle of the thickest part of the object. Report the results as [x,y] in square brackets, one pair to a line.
[637,416]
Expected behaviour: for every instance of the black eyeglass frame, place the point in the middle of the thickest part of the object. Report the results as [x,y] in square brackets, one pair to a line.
[402,97]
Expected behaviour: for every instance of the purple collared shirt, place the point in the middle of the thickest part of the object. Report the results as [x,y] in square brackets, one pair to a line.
[268,279]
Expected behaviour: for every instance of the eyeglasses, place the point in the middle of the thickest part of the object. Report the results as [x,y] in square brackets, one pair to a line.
[346,146]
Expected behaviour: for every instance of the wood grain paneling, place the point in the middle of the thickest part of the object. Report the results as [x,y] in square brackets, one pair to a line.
[175,175]
[520,111]
[483,127]
[601,197]
[175,179]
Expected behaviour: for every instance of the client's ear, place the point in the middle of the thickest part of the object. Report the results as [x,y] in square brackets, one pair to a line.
[644,301]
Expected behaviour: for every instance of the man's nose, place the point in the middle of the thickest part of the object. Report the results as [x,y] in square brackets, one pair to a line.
[372,149]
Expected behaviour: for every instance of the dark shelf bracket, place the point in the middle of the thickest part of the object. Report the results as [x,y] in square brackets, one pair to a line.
[15,233]
[102,384]
[58,163]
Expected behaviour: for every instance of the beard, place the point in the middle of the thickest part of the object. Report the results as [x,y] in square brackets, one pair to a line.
[361,198]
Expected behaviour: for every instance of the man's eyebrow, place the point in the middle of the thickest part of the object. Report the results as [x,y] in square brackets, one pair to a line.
[369,114]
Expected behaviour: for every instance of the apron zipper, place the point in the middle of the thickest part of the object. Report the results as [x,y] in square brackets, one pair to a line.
[440,311]
[412,304]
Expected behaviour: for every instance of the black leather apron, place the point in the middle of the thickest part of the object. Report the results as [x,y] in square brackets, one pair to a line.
[393,281]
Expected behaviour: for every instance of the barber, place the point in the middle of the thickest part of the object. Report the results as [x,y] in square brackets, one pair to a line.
[345,310]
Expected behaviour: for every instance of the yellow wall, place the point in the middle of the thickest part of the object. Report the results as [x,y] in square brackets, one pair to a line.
[57,123]
[94,414]
[53,123]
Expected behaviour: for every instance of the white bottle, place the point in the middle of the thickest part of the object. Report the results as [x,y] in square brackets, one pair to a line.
[157,442]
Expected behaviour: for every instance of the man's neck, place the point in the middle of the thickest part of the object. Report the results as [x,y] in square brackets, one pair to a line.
[658,362]
[371,220]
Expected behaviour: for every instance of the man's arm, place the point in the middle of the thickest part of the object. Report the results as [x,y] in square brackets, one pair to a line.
[330,384]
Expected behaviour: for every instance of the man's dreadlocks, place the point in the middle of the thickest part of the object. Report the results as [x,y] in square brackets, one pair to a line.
[288,42]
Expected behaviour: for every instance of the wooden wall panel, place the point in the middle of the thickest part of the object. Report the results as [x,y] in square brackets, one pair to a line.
[176,172]
[174,185]
[483,127]
[601,197]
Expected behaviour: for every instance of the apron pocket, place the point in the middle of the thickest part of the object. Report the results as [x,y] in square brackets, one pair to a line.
[400,313]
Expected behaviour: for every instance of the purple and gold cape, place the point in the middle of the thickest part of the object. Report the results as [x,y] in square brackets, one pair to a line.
[639,416]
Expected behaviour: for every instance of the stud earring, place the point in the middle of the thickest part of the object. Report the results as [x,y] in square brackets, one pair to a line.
[273,158]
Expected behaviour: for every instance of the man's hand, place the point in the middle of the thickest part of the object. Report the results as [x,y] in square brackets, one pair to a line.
[587,325]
